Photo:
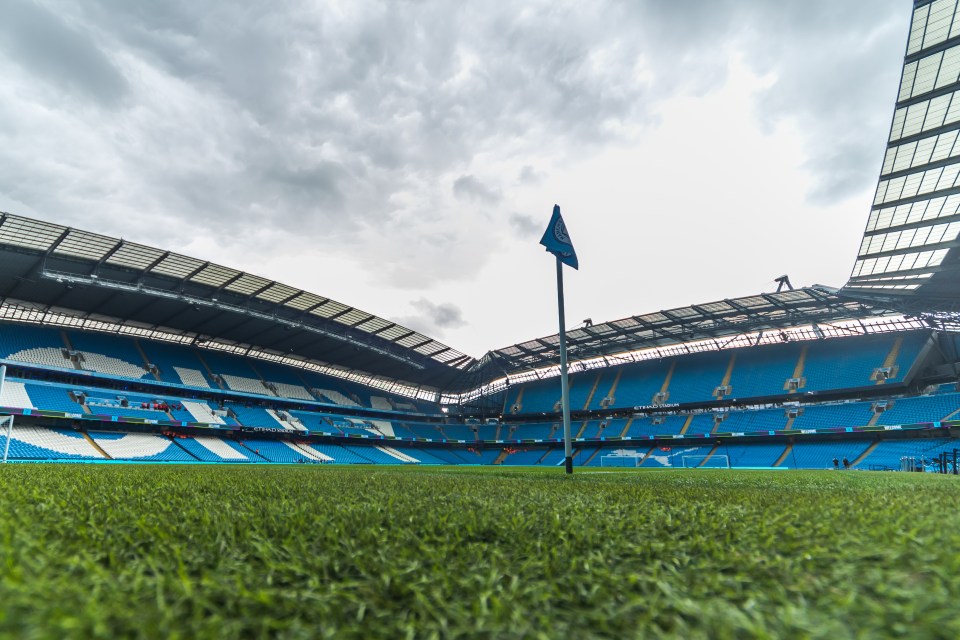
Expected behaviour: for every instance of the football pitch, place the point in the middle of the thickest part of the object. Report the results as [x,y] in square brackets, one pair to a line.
[358,552]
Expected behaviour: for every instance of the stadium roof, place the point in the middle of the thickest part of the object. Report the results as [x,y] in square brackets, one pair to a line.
[111,279]
[714,320]
[910,254]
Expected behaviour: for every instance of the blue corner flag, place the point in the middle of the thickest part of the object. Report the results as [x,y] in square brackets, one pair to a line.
[557,240]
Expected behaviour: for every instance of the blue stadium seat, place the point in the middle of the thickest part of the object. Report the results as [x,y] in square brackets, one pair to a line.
[820,455]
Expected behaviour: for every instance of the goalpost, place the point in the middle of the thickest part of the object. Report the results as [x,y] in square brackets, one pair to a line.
[620,461]
[7,419]
[715,461]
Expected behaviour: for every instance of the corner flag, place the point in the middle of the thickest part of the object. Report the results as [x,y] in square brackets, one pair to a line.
[557,240]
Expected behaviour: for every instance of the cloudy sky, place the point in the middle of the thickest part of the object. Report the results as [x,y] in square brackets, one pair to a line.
[404,157]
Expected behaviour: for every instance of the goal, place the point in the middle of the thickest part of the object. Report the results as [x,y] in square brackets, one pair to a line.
[620,461]
[706,462]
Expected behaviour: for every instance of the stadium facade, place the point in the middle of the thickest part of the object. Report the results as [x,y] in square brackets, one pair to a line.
[117,350]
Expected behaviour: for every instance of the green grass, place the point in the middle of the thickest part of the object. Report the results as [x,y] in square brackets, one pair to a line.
[201,551]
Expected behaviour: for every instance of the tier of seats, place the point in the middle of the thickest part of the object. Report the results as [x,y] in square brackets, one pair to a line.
[134,358]
[887,455]
[763,371]
[57,397]
[753,455]
[820,455]
[108,354]
[40,443]
[33,344]
[244,384]
[176,363]
[31,443]
[209,449]
[140,446]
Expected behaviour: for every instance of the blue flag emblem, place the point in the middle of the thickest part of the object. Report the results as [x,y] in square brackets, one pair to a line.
[557,240]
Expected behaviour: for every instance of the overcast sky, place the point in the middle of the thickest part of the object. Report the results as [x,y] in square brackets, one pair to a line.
[404,157]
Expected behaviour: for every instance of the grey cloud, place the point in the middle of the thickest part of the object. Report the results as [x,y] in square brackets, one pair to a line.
[818,49]
[432,318]
[851,50]
[526,225]
[351,125]
[528,175]
[65,57]
[470,188]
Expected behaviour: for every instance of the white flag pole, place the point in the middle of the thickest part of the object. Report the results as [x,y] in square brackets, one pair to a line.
[565,391]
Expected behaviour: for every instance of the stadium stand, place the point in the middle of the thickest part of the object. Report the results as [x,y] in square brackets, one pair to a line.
[14,394]
[753,455]
[277,451]
[660,425]
[762,371]
[33,344]
[109,354]
[51,397]
[422,456]
[888,454]
[820,455]
[454,456]
[527,457]
[756,420]
[919,409]
[339,454]
[176,363]
[211,449]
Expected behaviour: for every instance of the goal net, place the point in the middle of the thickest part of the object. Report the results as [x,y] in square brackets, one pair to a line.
[620,461]
[706,462]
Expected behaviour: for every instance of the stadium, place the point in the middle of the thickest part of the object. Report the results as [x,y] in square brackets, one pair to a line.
[118,353]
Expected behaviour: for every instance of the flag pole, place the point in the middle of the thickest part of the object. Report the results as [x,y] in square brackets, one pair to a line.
[565,391]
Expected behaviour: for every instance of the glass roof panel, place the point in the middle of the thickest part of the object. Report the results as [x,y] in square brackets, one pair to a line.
[394,332]
[134,256]
[214,275]
[353,317]
[430,348]
[83,244]
[305,301]
[247,284]
[716,307]
[752,302]
[374,324]
[917,29]
[329,309]
[177,266]
[413,339]
[652,318]
[277,292]
[796,295]
[30,234]
[682,312]
[447,355]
